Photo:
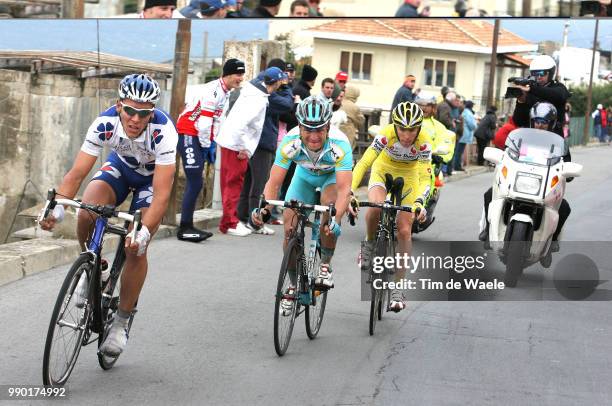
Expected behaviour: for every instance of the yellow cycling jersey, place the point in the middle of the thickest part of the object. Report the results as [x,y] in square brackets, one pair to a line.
[387,154]
[439,135]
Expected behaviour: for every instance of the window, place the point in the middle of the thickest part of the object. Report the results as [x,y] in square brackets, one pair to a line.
[438,73]
[357,64]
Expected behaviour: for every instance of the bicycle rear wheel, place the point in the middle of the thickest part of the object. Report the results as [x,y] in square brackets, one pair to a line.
[315,311]
[68,324]
[284,316]
[377,294]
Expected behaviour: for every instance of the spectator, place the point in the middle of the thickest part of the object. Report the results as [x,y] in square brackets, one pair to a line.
[444,110]
[213,8]
[299,8]
[258,171]
[266,9]
[315,8]
[327,88]
[304,85]
[469,125]
[237,9]
[290,71]
[355,118]
[460,8]
[158,9]
[600,122]
[404,93]
[567,116]
[339,117]
[409,9]
[341,79]
[238,139]
[197,126]
[485,131]
[502,133]
[609,122]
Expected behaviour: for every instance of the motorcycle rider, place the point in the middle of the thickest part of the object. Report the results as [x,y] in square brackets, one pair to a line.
[543,116]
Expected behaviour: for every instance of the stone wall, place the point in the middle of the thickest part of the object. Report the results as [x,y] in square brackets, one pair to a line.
[43,121]
[255,54]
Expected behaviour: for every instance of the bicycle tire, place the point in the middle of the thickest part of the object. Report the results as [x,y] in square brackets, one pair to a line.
[386,294]
[314,314]
[108,312]
[377,294]
[64,299]
[282,336]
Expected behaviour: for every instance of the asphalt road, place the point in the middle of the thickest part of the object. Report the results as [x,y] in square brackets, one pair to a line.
[203,334]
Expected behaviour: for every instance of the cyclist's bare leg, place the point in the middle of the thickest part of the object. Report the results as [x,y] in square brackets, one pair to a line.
[289,221]
[404,238]
[96,192]
[376,194]
[133,277]
[328,195]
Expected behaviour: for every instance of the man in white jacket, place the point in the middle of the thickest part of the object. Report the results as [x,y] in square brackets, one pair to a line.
[238,138]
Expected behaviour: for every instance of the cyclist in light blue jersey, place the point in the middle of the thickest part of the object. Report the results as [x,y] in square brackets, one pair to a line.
[324,160]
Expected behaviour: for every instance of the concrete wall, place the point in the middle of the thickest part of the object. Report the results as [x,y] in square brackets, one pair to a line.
[43,121]
[255,54]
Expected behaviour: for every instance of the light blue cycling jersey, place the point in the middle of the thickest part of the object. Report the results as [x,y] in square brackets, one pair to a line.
[336,156]
[337,153]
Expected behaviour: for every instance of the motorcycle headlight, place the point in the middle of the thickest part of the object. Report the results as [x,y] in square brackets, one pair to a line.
[527,183]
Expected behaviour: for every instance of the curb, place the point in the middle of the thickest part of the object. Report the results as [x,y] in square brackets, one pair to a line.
[23,258]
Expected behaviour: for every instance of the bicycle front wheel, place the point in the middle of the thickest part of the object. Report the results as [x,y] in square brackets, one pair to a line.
[316,310]
[287,302]
[69,322]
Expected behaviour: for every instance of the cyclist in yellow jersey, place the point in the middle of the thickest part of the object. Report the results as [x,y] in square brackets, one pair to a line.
[402,150]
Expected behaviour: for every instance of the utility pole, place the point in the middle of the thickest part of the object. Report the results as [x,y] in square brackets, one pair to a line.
[565,33]
[526,8]
[73,9]
[493,66]
[179,85]
[204,58]
[587,112]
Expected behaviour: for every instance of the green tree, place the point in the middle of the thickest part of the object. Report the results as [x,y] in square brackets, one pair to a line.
[601,94]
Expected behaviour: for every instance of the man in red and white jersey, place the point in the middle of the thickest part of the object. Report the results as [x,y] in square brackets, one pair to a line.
[197,126]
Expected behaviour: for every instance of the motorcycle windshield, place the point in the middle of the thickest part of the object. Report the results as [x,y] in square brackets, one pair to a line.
[537,147]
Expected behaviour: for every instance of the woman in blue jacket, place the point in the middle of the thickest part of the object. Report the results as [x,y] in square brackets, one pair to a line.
[469,125]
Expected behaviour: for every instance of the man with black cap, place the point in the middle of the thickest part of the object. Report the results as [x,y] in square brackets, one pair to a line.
[197,126]
[290,71]
[158,9]
[303,86]
[266,9]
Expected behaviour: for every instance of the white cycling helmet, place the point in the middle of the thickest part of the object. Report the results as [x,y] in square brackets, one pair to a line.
[139,87]
[425,98]
[543,63]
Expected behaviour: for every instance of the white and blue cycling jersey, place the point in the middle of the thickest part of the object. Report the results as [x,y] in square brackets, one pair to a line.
[130,165]
[156,145]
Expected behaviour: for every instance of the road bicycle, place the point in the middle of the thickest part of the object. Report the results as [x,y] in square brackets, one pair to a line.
[83,316]
[386,241]
[296,292]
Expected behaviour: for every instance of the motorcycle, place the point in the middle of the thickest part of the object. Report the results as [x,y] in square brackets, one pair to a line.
[528,188]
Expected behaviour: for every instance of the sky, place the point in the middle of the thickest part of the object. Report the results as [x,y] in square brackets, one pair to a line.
[154,40]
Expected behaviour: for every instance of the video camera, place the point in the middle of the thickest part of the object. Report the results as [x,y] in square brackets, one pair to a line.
[514,92]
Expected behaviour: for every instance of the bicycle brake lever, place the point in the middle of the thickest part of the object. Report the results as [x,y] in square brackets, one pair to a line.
[137,225]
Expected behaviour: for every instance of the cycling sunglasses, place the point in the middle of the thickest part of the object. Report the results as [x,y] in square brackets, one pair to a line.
[130,111]
[313,130]
[539,73]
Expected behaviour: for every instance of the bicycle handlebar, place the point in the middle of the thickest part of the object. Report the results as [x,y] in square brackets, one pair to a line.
[104,211]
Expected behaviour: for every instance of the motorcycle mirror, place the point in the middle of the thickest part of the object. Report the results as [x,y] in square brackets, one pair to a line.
[493,155]
[571,169]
